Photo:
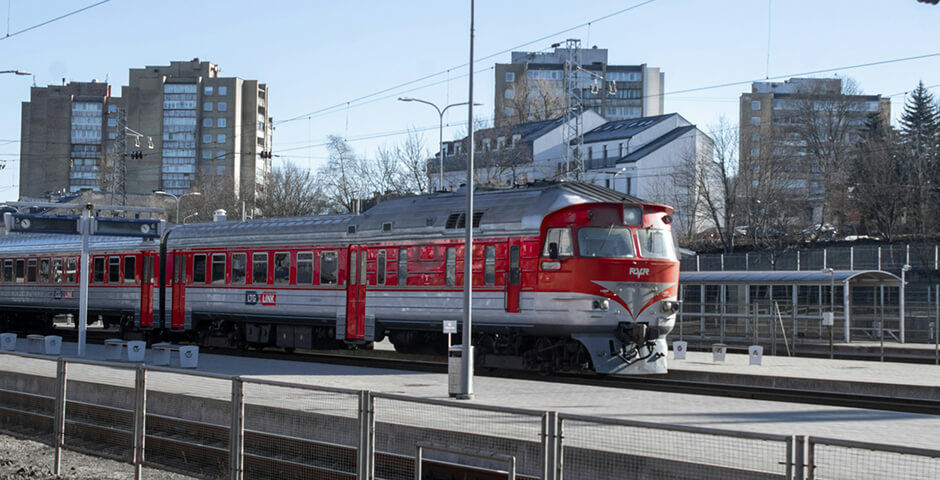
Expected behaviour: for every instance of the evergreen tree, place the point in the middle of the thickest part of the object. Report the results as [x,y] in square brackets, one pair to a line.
[919,140]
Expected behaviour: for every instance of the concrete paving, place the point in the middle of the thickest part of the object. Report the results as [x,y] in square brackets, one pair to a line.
[738,414]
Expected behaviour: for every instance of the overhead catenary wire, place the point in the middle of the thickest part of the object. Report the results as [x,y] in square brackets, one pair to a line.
[47,22]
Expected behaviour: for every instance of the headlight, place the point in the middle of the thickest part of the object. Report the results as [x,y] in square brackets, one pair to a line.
[669,306]
[602,305]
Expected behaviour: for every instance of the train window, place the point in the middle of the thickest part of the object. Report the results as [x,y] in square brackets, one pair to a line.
[147,273]
[352,268]
[199,268]
[656,243]
[362,268]
[489,265]
[20,271]
[282,268]
[98,268]
[328,267]
[130,269]
[114,269]
[71,267]
[609,242]
[44,270]
[450,275]
[561,237]
[31,270]
[8,270]
[380,268]
[218,268]
[403,266]
[259,268]
[304,268]
[57,270]
[239,265]
[514,265]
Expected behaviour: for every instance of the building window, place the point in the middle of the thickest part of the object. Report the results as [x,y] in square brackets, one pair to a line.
[220,123]
[223,106]
[220,138]
[510,77]
[620,149]
[112,122]
[755,105]
[509,93]
[206,122]
[509,111]
[206,154]
[755,121]
[755,137]
[220,170]
[112,108]
[207,106]
[755,152]
[223,90]
[207,138]
[207,91]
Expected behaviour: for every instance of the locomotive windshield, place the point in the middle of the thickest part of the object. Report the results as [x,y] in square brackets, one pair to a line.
[656,243]
[610,242]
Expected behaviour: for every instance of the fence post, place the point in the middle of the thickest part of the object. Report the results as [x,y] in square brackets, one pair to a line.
[237,432]
[365,470]
[140,420]
[61,382]
[797,260]
[551,446]
[852,258]
[799,447]
[825,257]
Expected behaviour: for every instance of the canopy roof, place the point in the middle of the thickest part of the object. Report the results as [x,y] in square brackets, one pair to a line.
[803,277]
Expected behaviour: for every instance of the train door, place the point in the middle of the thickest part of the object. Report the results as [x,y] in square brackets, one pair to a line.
[146,289]
[356,293]
[513,276]
[178,319]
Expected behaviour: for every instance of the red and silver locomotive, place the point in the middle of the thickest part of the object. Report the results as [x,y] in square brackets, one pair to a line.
[566,276]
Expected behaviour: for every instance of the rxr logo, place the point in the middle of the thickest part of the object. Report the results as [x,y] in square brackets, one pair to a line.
[639,272]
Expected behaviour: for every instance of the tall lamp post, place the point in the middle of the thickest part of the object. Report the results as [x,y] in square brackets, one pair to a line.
[904,271]
[440,114]
[832,304]
[15,72]
[177,198]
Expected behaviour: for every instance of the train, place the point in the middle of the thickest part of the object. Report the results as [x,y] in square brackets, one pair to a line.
[567,276]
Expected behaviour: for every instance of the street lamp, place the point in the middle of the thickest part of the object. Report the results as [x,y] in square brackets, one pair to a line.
[15,72]
[187,217]
[904,271]
[613,177]
[440,114]
[177,198]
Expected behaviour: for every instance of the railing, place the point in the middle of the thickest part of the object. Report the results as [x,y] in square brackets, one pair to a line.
[212,426]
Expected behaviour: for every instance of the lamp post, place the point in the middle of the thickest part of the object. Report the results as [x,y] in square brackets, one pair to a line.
[613,177]
[15,72]
[177,198]
[904,271]
[187,217]
[440,113]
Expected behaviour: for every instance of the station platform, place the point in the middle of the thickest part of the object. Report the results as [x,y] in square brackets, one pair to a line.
[907,429]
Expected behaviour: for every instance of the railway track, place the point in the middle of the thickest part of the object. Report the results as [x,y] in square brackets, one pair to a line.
[388,359]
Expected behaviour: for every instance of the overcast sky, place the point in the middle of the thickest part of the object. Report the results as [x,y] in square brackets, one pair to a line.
[337,67]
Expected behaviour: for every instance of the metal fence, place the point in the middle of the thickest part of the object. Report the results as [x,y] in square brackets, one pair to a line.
[855,257]
[211,426]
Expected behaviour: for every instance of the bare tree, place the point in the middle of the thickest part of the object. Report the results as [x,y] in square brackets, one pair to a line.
[293,191]
[341,174]
[413,157]
[215,192]
[531,100]
[877,175]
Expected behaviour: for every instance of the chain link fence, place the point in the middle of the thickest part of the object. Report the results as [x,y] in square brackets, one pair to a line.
[211,426]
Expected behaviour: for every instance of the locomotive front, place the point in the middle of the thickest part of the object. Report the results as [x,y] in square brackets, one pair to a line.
[618,261]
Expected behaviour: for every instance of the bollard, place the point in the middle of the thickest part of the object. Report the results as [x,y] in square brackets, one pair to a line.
[34,343]
[136,350]
[8,341]
[718,352]
[52,345]
[189,356]
[678,350]
[755,353]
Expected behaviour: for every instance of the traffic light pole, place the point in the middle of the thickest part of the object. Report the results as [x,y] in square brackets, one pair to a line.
[85,228]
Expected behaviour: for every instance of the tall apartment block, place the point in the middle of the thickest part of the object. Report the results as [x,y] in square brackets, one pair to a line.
[199,124]
[773,117]
[532,87]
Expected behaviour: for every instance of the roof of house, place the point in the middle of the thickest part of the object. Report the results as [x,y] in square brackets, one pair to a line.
[656,144]
[623,128]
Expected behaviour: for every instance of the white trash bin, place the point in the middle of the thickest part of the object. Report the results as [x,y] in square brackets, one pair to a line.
[136,350]
[189,356]
[718,352]
[34,343]
[679,349]
[112,348]
[52,345]
[755,353]
[161,353]
[8,341]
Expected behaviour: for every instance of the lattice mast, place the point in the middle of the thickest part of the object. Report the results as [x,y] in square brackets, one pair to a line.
[574,107]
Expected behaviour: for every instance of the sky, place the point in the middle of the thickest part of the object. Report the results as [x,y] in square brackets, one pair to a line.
[337,68]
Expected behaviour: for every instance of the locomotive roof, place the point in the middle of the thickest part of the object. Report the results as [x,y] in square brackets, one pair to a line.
[500,211]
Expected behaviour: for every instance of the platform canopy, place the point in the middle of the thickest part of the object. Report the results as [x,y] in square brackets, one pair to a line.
[855,278]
